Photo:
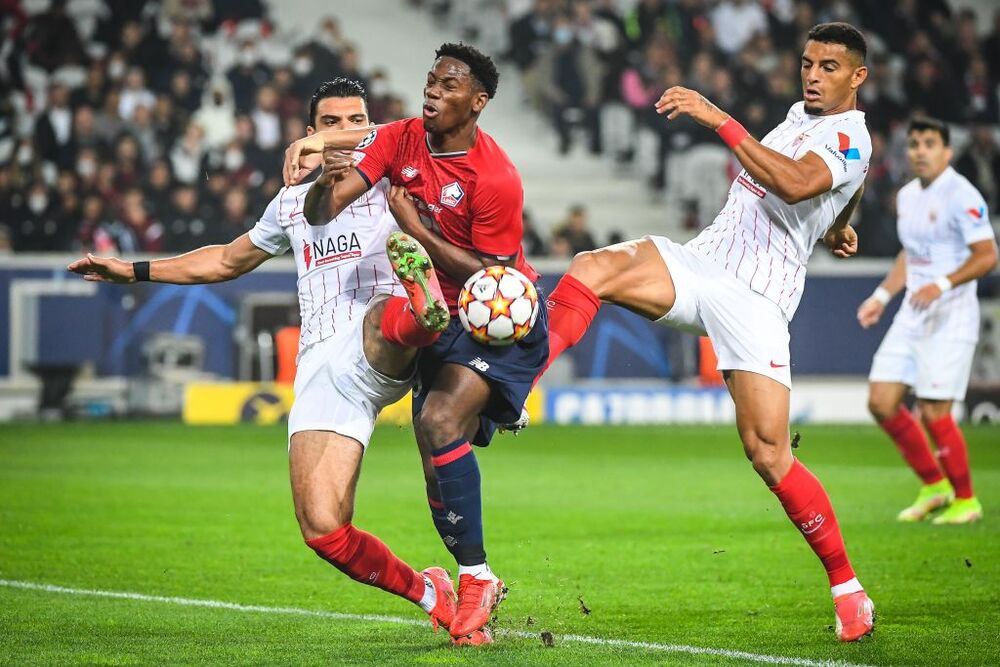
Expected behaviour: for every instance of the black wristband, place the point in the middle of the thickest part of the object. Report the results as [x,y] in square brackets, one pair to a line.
[141,270]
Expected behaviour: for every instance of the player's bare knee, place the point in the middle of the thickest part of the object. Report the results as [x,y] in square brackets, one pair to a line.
[437,425]
[881,409]
[592,268]
[316,521]
[769,454]
[931,411]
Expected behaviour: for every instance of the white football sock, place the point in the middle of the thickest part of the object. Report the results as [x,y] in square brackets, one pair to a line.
[481,571]
[430,597]
[851,586]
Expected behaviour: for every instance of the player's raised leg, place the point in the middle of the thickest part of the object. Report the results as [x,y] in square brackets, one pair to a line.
[324,469]
[762,420]
[885,402]
[418,320]
[954,456]
[447,421]
[630,274]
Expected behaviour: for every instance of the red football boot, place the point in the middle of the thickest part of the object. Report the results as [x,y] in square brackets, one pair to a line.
[443,613]
[855,616]
[480,637]
[415,271]
[477,599]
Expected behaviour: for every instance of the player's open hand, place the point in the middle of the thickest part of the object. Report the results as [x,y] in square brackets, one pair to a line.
[336,165]
[842,242]
[103,269]
[680,100]
[925,296]
[295,168]
[870,312]
[404,209]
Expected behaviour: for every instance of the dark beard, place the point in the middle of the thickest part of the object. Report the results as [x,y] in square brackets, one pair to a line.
[812,111]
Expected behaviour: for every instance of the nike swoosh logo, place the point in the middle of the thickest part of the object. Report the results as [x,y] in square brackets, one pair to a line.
[295,213]
[774,365]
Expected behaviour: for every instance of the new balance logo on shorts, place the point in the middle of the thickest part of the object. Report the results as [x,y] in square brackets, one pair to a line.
[479,365]
[454,518]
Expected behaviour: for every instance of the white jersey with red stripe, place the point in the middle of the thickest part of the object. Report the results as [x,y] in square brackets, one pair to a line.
[342,265]
[936,225]
[766,242]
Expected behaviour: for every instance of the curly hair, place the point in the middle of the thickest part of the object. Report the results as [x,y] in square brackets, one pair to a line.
[480,64]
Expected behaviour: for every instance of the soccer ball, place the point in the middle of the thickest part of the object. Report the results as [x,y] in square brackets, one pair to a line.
[498,305]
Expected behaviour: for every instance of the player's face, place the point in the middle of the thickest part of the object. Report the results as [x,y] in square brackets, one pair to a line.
[452,97]
[339,113]
[830,76]
[927,153]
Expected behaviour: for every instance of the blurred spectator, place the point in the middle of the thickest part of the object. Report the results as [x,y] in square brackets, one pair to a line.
[53,40]
[980,163]
[54,129]
[532,243]
[216,117]
[266,120]
[134,94]
[574,232]
[736,22]
[573,76]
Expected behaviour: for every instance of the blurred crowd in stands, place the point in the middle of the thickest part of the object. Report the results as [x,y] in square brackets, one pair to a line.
[158,125]
[584,62]
[153,126]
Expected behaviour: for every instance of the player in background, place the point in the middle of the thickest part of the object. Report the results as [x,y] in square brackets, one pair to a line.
[741,279]
[456,192]
[948,244]
[347,370]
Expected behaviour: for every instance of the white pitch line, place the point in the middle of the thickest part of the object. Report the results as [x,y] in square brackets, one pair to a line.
[378,618]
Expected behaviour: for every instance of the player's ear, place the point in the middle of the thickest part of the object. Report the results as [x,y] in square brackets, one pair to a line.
[309,130]
[479,102]
[859,76]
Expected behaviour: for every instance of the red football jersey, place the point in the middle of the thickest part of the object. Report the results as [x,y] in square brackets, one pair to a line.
[473,199]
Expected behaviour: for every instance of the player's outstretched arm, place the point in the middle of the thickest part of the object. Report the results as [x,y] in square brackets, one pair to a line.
[293,170]
[790,180]
[208,264]
[871,309]
[982,260]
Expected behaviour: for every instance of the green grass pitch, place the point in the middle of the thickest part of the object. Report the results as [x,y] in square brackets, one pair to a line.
[665,534]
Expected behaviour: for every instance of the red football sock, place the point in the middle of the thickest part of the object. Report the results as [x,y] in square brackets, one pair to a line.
[953,453]
[572,307]
[399,325]
[807,505]
[905,431]
[365,558]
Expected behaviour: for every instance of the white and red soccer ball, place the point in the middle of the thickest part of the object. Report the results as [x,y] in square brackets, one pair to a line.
[498,305]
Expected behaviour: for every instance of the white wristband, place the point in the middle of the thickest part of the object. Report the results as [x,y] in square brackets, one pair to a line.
[943,284]
[881,295]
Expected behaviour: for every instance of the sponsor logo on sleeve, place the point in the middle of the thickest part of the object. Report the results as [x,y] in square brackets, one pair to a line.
[850,153]
[978,213]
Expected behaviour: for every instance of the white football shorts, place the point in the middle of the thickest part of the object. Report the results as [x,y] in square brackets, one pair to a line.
[336,389]
[937,367]
[748,331]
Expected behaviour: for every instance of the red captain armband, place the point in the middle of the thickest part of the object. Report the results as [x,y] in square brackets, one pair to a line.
[732,132]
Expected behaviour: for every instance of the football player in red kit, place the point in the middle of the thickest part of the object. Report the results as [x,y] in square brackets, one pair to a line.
[456,193]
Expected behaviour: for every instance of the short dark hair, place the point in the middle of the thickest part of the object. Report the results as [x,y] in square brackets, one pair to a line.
[840,33]
[481,65]
[339,87]
[923,123]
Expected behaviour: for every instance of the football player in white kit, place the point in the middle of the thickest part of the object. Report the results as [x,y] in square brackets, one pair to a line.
[948,244]
[347,371]
[741,279]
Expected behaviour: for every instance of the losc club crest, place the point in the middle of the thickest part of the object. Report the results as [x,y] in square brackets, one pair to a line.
[452,194]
